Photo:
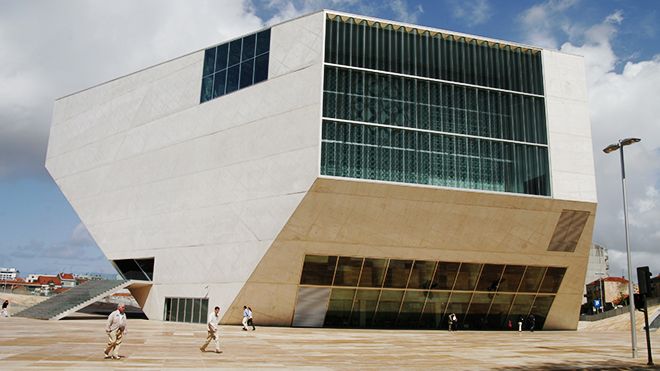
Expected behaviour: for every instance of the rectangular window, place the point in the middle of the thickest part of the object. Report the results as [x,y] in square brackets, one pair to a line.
[235,65]
[189,310]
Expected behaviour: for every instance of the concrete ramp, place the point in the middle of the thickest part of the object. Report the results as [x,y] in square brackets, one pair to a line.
[61,305]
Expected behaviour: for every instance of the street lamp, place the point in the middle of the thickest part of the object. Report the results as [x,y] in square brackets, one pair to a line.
[631,303]
[601,288]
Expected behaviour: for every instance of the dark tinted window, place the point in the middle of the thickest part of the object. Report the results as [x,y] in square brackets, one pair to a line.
[247,71]
[552,280]
[235,65]
[249,43]
[263,42]
[318,270]
[348,271]
[209,60]
[136,269]
[397,273]
[221,57]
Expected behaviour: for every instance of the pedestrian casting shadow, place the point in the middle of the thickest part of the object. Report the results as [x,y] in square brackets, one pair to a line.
[606,365]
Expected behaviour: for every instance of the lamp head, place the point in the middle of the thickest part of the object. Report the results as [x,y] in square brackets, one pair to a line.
[611,148]
[628,141]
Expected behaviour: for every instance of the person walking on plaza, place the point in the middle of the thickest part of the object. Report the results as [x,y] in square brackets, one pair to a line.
[5,308]
[246,316]
[115,328]
[213,335]
[250,322]
[520,323]
[531,322]
[452,321]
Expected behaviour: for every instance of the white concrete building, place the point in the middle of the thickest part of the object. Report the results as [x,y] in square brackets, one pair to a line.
[8,274]
[339,170]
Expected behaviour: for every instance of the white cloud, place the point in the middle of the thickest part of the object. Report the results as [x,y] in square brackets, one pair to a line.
[52,49]
[541,20]
[473,12]
[624,104]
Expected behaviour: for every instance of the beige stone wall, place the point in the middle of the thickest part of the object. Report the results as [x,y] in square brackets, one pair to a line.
[356,218]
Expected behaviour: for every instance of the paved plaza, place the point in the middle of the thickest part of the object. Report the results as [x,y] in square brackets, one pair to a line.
[77,344]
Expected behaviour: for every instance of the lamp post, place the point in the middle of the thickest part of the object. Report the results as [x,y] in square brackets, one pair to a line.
[631,303]
[601,288]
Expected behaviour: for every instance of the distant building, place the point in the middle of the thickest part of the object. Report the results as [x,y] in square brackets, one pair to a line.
[67,279]
[33,277]
[598,266]
[614,290]
[8,274]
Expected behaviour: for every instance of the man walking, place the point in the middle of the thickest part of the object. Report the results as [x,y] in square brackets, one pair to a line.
[213,322]
[246,317]
[250,322]
[115,328]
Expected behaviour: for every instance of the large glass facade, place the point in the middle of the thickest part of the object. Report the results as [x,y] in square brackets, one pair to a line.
[235,65]
[393,293]
[410,106]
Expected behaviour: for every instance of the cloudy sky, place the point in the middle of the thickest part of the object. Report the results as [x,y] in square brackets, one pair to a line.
[53,48]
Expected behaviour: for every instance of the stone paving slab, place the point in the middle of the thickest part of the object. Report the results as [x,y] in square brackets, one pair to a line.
[77,344]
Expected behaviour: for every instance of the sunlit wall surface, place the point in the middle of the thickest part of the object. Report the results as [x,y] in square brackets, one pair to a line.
[385,293]
[406,105]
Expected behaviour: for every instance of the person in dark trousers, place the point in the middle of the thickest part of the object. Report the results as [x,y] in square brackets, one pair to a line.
[531,322]
[250,322]
[452,319]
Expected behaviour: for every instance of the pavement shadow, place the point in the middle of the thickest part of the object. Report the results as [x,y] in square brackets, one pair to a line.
[607,365]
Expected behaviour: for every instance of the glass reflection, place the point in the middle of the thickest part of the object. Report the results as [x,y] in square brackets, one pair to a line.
[522,304]
[388,308]
[458,304]
[398,272]
[476,317]
[434,310]
[348,271]
[318,270]
[532,279]
[552,280]
[445,276]
[422,274]
[411,309]
[540,309]
[339,307]
[364,307]
[373,272]
[511,278]
[467,277]
[389,304]
[490,278]
[499,310]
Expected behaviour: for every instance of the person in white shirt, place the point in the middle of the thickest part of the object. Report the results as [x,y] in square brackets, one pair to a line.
[213,322]
[115,328]
[246,317]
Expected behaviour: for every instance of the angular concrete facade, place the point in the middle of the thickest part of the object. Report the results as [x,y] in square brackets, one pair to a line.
[228,196]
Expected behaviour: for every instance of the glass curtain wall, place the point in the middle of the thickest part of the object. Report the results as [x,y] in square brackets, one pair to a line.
[423,124]
[392,293]
[191,310]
